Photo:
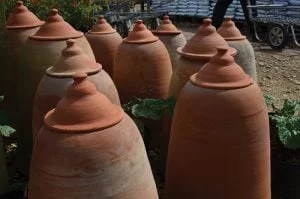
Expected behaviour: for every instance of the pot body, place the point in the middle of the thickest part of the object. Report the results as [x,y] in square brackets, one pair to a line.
[110,163]
[35,58]
[245,56]
[172,42]
[51,90]
[219,145]
[105,47]
[185,68]
[142,71]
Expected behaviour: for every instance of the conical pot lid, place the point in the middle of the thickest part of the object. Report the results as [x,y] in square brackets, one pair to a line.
[166,27]
[203,44]
[72,61]
[83,109]
[102,27]
[221,72]
[22,18]
[140,34]
[229,31]
[56,29]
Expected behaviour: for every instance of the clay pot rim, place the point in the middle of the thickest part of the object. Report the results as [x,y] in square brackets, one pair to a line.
[71,74]
[232,52]
[25,26]
[145,41]
[83,128]
[76,35]
[235,38]
[222,86]
[90,32]
[156,32]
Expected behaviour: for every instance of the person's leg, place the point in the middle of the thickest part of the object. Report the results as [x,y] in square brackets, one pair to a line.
[219,12]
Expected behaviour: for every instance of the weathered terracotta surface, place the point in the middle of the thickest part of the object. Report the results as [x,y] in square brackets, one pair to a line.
[104,41]
[245,54]
[171,37]
[59,77]
[143,67]
[40,52]
[89,148]
[219,145]
[198,51]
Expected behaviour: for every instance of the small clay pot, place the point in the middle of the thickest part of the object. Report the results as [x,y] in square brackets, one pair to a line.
[197,52]
[104,41]
[58,78]
[41,51]
[171,37]
[219,145]
[245,54]
[142,68]
[89,148]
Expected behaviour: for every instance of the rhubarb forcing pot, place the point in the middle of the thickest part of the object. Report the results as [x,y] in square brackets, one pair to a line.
[245,54]
[58,77]
[171,37]
[143,67]
[197,52]
[104,41]
[89,148]
[219,145]
[40,52]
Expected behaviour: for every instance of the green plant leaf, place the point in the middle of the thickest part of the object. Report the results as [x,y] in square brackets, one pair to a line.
[1,98]
[269,99]
[290,107]
[6,131]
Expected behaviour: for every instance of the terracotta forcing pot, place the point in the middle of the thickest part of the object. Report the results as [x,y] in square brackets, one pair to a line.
[143,67]
[197,52]
[171,37]
[41,51]
[89,148]
[58,78]
[104,41]
[245,54]
[219,145]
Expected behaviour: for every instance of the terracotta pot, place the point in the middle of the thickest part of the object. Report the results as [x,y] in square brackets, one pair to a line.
[219,145]
[245,54]
[171,37]
[41,51]
[104,41]
[89,148]
[54,84]
[143,67]
[197,52]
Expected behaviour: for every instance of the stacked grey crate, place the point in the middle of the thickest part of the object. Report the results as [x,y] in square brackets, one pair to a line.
[161,5]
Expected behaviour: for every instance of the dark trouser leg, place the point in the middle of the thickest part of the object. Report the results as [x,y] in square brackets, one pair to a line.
[219,12]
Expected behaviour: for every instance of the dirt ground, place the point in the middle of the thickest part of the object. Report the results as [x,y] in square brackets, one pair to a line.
[278,72]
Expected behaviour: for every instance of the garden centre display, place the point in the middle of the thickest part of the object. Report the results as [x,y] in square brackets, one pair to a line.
[171,37]
[245,54]
[58,77]
[89,148]
[219,145]
[104,41]
[40,52]
[197,52]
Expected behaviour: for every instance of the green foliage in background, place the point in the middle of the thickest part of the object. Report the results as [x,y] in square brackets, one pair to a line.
[79,13]
[5,130]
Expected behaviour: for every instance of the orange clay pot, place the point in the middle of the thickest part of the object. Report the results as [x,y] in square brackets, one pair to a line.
[219,144]
[40,52]
[89,148]
[143,67]
[245,54]
[104,41]
[54,84]
[171,37]
[197,52]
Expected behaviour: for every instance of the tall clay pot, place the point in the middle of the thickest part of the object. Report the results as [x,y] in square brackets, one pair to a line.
[41,51]
[54,84]
[197,52]
[171,37]
[89,148]
[104,41]
[245,54]
[219,145]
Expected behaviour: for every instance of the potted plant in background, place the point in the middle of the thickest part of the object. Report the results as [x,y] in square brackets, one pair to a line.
[285,148]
